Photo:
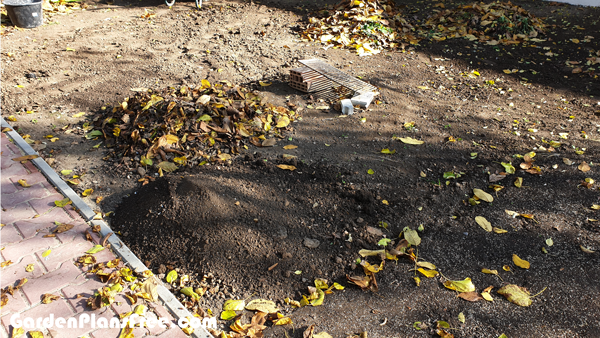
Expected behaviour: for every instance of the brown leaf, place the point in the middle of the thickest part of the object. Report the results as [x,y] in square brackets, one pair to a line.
[472,296]
[308,333]
[374,231]
[526,165]
[25,158]
[62,227]
[496,178]
[269,142]
[363,282]
[584,167]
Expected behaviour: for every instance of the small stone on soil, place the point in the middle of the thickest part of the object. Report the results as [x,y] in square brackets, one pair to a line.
[311,243]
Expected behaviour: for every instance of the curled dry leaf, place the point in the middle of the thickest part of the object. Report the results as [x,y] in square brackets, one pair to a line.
[25,158]
[62,227]
[486,294]
[518,182]
[586,250]
[48,298]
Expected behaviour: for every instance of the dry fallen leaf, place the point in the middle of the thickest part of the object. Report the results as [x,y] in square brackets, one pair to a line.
[290,146]
[49,298]
[586,250]
[262,305]
[471,296]
[410,140]
[269,142]
[584,167]
[25,158]
[516,294]
[286,167]
[461,286]
[487,226]
[482,195]
[520,262]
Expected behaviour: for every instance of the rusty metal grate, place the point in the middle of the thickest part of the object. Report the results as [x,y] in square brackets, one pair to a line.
[338,77]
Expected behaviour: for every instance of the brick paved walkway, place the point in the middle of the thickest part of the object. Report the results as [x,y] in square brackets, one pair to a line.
[23,240]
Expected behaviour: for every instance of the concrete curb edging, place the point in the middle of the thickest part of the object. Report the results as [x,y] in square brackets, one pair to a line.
[119,248]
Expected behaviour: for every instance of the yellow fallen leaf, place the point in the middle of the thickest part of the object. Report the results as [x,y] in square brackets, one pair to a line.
[87,192]
[499,231]
[234,305]
[23,183]
[484,223]
[490,272]
[516,294]
[518,182]
[482,195]
[427,265]
[428,273]
[282,122]
[262,305]
[520,262]
[264,84]
[286,167]
[290,146]
[423,87]
[586,250]
[461,286]
[410,140]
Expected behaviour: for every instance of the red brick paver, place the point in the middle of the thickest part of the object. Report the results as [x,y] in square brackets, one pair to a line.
[28,216]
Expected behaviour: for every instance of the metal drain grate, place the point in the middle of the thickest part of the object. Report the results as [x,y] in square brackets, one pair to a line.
[338,77]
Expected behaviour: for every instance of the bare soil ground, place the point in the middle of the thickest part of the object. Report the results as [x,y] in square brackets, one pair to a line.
[189,220]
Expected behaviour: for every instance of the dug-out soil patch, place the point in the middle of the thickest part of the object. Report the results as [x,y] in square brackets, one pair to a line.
[241,231]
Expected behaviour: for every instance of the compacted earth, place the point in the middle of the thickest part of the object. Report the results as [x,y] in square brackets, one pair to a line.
[521,122]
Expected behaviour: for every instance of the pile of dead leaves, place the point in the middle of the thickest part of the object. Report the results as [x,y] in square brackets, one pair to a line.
[494,23]
[62,7]
[182,126]
[369,26]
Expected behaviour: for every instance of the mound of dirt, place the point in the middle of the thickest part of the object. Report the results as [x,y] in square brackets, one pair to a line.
[221,224]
